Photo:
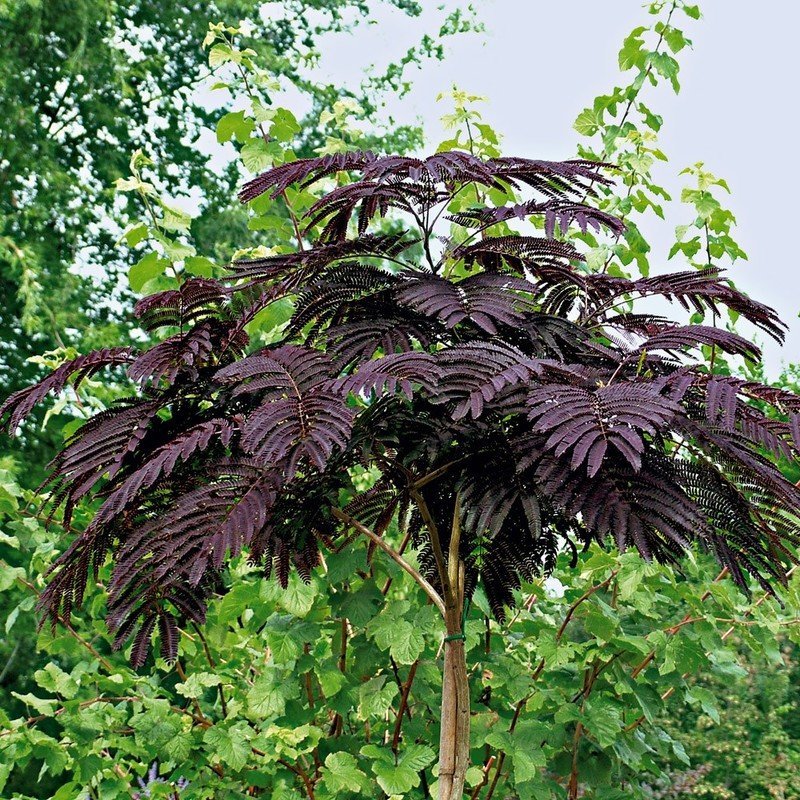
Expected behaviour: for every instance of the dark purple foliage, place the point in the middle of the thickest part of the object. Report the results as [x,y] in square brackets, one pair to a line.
[495,369]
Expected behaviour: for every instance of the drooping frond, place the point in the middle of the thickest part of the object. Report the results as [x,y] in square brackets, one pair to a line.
[558,214]
[449,167]
[322,299]
[371,199]
[196,299]
[183,352]
[16,407]
[584,423]
[303,172]
[160,466]
[100,447]
[695,290]
[295,269]
[576,177]
[300,416]
[680,337]
[472,375]
[518,252]
[392,373]
[374,324]
[485,300]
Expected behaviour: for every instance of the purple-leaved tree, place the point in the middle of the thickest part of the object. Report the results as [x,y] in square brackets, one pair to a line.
[508,399]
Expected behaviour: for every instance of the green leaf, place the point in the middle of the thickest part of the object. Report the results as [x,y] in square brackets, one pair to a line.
[147,268]
[54,679]
[341,774]
[630,576]
[682,655]
[219,54]
[596,257]
[155,725]
[675,39]
[179,746]
[298,597]
[375,696]
[417,756]
[587,122]
[284,125]
[45,706]
[697,695]
[267,698]
[284,645]
[667,66]
[53,754]
[134,234]
[175,219]
[12,618]
[600,624]
[359,606]
[199,265]
[603,720]
[397,635]
[344,565]
[631,54]
[257,155]
[88,766]
[234,125]
[195,684]
[395,779]
[231,745]
[174,250]
[331,678]
[9,575]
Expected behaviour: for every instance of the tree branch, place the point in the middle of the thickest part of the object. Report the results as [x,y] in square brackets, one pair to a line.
[436,542]
[343,516]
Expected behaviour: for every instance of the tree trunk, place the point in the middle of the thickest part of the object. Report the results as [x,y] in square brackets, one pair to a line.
[455,719]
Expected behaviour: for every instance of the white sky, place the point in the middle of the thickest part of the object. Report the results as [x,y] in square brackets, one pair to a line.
[540,63]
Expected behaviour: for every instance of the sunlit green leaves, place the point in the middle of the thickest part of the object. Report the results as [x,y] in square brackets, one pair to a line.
[196,684]
[234,124]
[257,155]
[145,269]
[393,632]
[55,680]
[398,775]
[267,697]
[375,696]
[632,53]
[342,775]
[229,744]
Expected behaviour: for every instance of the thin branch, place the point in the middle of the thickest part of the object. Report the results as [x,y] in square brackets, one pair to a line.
[484,779]
[436,542]
[403,708]
[213,664]
[301,773]
[342,516]
[501,756]
[672,689]
[672,630]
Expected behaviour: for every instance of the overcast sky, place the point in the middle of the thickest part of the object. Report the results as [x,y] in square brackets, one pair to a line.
[540,63]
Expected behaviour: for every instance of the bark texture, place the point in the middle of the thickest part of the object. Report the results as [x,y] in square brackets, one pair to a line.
[455,719]
[454,736]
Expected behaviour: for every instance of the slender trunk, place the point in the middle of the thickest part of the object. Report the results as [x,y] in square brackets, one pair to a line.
[455,718]
[454,737]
